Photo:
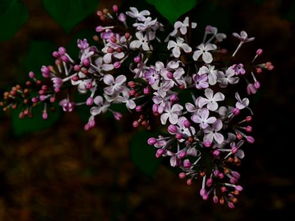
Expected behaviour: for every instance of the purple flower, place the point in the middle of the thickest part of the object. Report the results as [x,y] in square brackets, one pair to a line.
[239,69]
[67,105]
[201,81]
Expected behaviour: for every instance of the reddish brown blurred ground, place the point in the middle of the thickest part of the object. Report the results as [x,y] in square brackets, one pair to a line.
[64,173]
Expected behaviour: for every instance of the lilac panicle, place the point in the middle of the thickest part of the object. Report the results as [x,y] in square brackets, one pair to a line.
[202,136]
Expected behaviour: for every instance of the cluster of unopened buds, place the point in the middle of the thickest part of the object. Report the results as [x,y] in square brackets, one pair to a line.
[197,90]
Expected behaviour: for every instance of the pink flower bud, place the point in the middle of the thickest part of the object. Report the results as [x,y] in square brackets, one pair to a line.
[189,182]
[146,90]
[215,199]
[137,59]
[250,139]
[170,75]
[178,136]
[209,182]
[117,115]
[172,129]
[159,153]
[138,108]
[236,111]
[115,8]
[181,154]
[77,67]
[239,188]
[89,101]
[173,98]
[202,192]
[187,163]
[135,124]
[248,129]
[216,153]
[44,115]
[186,123]
[122,17]
[117,64]
[182,175]
[151,141]
[207,143]
[257,84]
[99,29]
[259,51]
[31,74]
[231,205]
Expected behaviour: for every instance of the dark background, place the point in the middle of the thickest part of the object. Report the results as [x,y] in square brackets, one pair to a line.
[59,172]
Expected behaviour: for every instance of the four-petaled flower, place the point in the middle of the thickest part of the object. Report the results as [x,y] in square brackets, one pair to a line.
[114,85]
[241,103]
[243,37]
[101,106]
[202,118]
[140,16]
[179,44]
[203,49]
[172,113]
[212,133]
[142,41]
[182,26]
[211,99]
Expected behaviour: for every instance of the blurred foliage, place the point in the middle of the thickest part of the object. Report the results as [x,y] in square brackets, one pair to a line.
[9,25]
[64,173]
[142,154]
[69,13]
[173,9]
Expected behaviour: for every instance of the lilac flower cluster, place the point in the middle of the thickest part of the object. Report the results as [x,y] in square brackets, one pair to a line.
[190,86]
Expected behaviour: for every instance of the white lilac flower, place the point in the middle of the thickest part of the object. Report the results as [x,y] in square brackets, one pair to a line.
[147,24]
[125,98]
[100,66]
[241,103]
[229,77]
[203,50]
[141,42]
[183,26]
[101,106]
[84,84]
[214,31]
[177,45]
[211,99]
[114,85]
[134,13]
[160,99]
[182,128]
[212,133]
[211,72]
[202,118]
[171,112]
[243,36]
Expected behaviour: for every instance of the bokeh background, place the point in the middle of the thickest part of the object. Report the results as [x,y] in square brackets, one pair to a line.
[56,171]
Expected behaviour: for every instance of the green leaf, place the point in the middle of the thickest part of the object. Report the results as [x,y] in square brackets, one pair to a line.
[69,13]
[173,9]
[13,14]
[291,12]
[39,53]
[142,154]
[36,123]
